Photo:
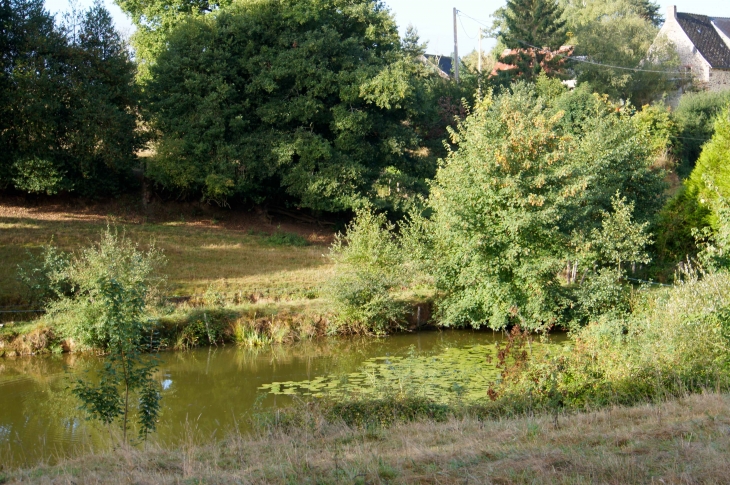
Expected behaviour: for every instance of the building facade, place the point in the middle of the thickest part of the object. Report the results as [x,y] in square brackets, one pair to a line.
[703,45]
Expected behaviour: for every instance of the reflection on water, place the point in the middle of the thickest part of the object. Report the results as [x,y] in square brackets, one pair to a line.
[213,390]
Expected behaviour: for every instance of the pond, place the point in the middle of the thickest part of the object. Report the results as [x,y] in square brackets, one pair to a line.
[211,391]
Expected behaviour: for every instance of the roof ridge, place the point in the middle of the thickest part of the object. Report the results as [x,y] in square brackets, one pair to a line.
[703,33]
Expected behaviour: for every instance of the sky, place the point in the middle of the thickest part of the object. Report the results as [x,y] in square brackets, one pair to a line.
[434,18]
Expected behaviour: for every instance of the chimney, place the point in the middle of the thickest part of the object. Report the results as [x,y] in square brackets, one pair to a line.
[672,12]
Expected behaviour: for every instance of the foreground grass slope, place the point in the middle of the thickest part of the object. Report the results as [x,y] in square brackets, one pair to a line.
[684,441]
[242,256]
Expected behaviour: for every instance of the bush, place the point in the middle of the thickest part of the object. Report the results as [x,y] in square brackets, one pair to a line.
[114,263]
[368,274]
[695,117]
[696,205]
[45,275]
[677,340]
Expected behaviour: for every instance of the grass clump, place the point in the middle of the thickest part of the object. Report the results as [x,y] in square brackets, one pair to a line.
[280,238]
[675,341]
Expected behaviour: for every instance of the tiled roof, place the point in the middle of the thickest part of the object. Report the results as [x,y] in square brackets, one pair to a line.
[722,24]
[445,63]
[703,35]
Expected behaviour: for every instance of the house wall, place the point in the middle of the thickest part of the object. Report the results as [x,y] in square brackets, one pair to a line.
[719,80]
[688,53]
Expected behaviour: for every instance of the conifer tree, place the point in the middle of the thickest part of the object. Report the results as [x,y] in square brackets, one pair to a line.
[535,23]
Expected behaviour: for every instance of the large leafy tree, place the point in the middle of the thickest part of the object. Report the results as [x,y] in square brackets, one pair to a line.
[156,19]
[307,100]
[69,101]
[102,133]
[533,23]
[616,36]
[532,186]
[32,86]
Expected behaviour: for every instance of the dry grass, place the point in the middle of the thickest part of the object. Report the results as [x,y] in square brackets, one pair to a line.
[685,441]
[203,246]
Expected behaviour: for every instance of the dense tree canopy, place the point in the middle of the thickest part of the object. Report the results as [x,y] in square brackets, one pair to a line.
[69,100]
[533,23]
[156,19]
[308,99]
[616,37]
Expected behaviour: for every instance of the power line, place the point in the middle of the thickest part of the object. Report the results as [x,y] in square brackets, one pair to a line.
[464,28]
[472,18]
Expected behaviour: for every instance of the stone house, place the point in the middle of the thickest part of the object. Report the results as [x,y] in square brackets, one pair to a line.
[703,45]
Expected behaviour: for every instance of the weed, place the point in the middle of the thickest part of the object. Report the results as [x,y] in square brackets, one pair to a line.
[286,239]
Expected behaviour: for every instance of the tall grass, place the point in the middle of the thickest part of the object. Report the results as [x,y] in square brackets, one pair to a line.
[683,441]
[675,341]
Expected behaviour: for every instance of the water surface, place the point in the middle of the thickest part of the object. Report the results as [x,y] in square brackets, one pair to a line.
[211,391]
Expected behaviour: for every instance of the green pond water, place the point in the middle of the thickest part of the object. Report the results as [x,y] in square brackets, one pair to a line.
[211,391]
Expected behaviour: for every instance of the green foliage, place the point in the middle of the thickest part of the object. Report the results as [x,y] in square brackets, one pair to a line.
[675,341]
[695,115]
[679,218]
[524,194]
[114,269]
[620,239]
[711,176]
[603,294]
[533,23]
[280,238]
[368,273]
[37,176]
[112,282]
[657,122]
[45,275]
[156,19]
[649,10]
[621,33]
[699,202]
[69,100]
[714,245]
[310,102]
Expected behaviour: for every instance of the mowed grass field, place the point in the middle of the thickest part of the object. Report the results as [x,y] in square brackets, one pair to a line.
[231,253]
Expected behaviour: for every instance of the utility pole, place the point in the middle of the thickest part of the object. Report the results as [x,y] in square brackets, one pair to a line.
[456,49]
[479,64]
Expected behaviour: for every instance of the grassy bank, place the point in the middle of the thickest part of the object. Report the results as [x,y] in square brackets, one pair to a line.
[682,441]
[245,256]
[239,275]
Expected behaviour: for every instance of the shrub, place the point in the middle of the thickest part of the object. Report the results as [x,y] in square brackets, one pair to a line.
[696,205]
[111,283]
[45,275]
[113,268]
[695,117]
[529,192]
[368,274]
[677,340]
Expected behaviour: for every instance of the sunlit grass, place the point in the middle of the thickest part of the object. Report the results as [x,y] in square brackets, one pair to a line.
[198,257]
